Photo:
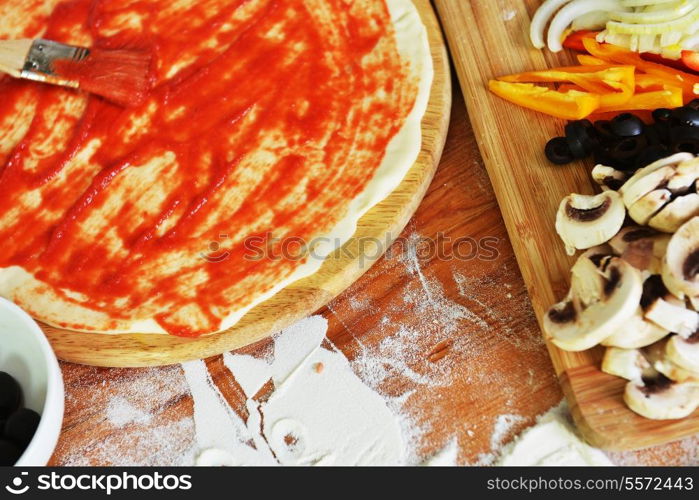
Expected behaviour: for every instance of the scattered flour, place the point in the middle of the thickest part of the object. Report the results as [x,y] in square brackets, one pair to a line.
[121,412]
[552,441]
[326,417]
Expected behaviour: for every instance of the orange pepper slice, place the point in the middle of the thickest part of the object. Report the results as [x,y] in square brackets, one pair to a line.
[570,105]
[665,75]
[614,84]
[669,98]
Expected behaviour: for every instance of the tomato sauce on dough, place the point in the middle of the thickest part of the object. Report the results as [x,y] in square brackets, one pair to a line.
[266,118]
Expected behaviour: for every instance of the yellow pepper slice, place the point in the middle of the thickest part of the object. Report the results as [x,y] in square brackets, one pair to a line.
[614,84]
[570,105]
[670,98]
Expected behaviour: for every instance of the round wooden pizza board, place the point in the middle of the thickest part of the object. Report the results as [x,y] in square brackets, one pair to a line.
[300,299]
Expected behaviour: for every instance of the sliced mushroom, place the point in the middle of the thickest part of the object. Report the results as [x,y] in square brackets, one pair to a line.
[675,372]
[609,177]
[654,176]
[684,352]
[605,292]
[681,262]
[636,332]
[662,399]
[632,244]
[674,214]
[666,310]
[645,208]
[586,221]
[686,174]
[627,363]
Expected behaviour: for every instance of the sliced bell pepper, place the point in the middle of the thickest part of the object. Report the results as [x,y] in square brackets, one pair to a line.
[670,76]
[588,60]
[574,41]
[614,84]
[691,59]
[671,98]
[571,105]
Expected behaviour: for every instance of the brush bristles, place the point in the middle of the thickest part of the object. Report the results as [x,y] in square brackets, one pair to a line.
[120,76]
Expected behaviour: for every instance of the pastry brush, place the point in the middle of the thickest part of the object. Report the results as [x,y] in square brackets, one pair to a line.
[120,76]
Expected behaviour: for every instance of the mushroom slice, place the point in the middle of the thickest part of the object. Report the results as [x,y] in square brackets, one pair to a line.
[681,262]
[635,193]
[604,293]
[675,213]
[609,177]
[627,363]
[633,243]
[684,352]
[685,176]
[675,372]
[662,399]
[673,316]
[650,204]
[636,332]
[641,187]
[586,221]
[666,310]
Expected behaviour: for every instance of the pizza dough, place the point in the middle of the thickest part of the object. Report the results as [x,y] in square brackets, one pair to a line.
[272,125]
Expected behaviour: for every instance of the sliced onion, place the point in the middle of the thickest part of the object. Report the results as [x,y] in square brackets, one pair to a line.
[541,17]
[643,3]
[668,13]
[591,21]
[571,11]
[680,25]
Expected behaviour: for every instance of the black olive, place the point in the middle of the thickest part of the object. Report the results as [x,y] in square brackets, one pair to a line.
[9,453]
[651,154]
[686,116]
[10,394]
[21,426]
[661,115]
[628,148]
[679,133]
[626,125]
[693,104]
[558,152]
[686,146]
[604,131]
[652,134]
[581,138]
[604,157]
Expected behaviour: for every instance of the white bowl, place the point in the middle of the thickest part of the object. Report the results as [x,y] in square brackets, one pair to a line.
[27,356]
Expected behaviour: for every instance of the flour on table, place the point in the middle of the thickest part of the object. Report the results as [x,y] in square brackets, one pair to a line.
[313,417]
[552,441]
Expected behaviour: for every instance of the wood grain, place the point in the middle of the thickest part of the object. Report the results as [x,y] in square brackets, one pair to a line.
[384,221]
[528,190]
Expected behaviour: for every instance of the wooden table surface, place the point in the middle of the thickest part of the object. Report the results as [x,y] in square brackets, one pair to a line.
[458,338]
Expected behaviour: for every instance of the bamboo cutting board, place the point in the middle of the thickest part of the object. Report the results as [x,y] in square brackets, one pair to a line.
[488,39]
[302,298]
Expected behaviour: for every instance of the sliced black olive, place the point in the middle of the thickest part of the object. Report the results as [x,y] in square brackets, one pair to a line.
[686,116]
[652,134]
[651,154]
[626,125]
[10,394]
[684,139]
[558,152]
[693,104]
[686,146]
[580,139]
[21,426]
[9,453]
[628,148]
[662,115]
[604,131]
